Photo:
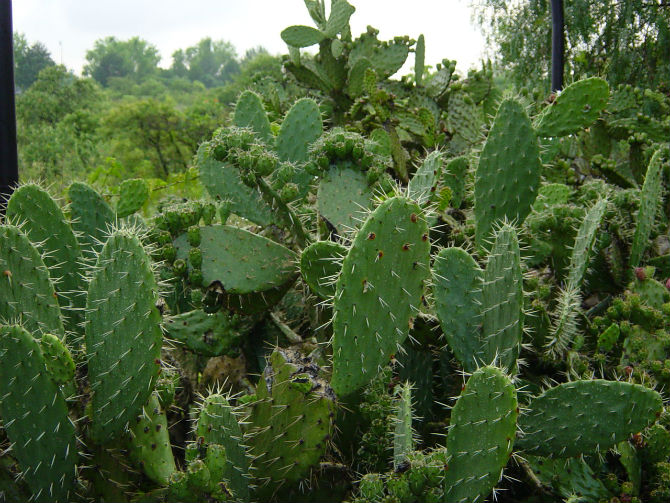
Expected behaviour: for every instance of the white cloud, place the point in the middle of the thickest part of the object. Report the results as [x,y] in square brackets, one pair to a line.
[74,25]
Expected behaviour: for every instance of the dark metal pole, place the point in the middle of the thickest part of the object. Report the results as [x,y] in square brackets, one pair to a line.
[9,165]
[557,45]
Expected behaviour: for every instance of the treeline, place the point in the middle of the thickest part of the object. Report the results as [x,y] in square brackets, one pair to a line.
[126,116]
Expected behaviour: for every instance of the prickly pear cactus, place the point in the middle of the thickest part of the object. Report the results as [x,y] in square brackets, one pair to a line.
[132,195]
[123,334]
[508,174]
[27,291]
[44,443]
[291,422]
[481,435]
[586,416]
[320,264]
[379,292]
[91,217]
[206,334]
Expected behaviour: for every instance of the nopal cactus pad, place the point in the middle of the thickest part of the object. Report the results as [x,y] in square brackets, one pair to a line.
[481,435]
[35,418]
[583,417]
[27,291]
[123,334]
[508,174]
[378,292]
[457,289]
[292,420]
[249,112]
[91,216]
[575,108]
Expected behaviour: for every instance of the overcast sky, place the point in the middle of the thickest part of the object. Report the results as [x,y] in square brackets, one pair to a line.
[70,27]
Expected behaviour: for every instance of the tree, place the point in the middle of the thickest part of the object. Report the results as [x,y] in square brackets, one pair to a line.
[623,41]
[29,60]
[211,62]
[134,58]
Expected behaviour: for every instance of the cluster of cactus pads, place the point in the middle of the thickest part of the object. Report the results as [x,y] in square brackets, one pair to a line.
[347,317]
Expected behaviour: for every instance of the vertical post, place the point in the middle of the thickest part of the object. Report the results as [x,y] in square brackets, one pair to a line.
[557,45]
[9,166]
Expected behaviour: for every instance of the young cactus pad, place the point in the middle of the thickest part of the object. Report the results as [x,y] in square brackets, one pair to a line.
[132,195]
[502,300]
[481,435]
[123,334]
[91,216]
[378,292]
[508,174]
[35,418]
[249,112]
[457,288]
[27,292]
[343,197]
[320,263]
[584,417]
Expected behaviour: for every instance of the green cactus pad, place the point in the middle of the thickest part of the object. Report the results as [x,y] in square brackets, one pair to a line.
[223,183]
[35,418]
[133,194]
[584,417]
[57,359]
[301,36]
[419,59]
[320,263]
[481,435]
[568,477]
[45,224]
[343,198]
[243,262]
[291,423]
[250,113]
[454,177]
[123,334]
[424,182]
[502,300]
[150,443]
[378,292]
[403,434]
[457,288]
[27,292]
[91,217]
[218,424]
[338,19]
[552,194]
[508,174]
[207,334]
[650,199]
[575,108]
[300,128]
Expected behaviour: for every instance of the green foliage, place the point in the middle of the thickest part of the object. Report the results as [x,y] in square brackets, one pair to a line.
[29,60]
[134,58]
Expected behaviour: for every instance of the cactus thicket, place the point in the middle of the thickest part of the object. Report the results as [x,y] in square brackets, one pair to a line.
[394,289]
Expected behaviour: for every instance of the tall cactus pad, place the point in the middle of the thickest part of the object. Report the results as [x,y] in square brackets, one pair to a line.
[576,107]
[301,127]
[583,417]
[649,202]
[91,216]
[584,242]
[218,423]
[424,182]
[320,263]
[508,174]
[150,443]
[223,183]
[132,195]
[292,421]
[35,418]
[343,197]
[403,435]
[378,292]
[45,224]
[481,435]
[249,112]
[457,288]
[502,300]
[207,334]
[123,334]
[27,292]
[241,261]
